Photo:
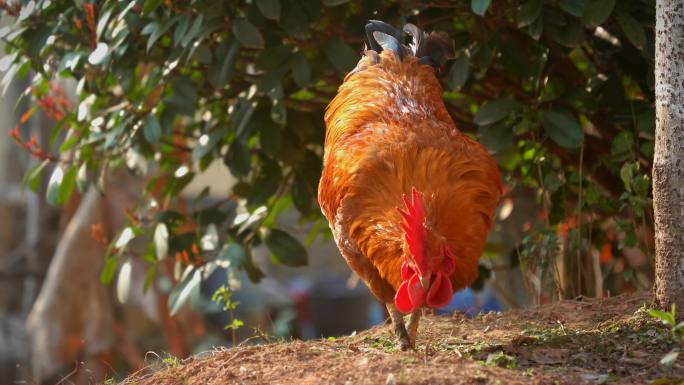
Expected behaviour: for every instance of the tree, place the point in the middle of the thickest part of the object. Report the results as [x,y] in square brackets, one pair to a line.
[555,88]
[668,162]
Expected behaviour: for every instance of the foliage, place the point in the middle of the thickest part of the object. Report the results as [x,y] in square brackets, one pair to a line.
[561,90]
[501,359]
[669,318]
[224,297]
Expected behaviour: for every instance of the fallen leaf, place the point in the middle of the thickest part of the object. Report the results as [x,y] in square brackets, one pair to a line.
[550,356]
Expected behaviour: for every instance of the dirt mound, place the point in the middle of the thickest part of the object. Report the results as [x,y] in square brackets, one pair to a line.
[589,341]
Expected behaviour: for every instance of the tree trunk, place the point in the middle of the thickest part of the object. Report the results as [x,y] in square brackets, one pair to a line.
[668,162]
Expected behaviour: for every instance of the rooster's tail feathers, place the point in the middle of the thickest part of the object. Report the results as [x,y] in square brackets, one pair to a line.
[380,36]
[433,49]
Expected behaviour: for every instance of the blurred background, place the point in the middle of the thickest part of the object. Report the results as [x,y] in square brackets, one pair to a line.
[158,179]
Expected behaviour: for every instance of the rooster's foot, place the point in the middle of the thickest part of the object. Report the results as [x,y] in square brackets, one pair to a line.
[403,338]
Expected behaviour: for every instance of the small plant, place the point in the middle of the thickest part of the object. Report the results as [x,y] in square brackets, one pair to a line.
[172,361]
[669,318]
[224,296]
[382,343]
[502,360]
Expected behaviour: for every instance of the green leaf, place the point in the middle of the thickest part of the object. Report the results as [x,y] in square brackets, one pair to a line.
[679,326]
[569,34]
[271,138]
[573,7]
[26,10]
[479,7]
[69,142]
[627,172]
[333,3]
[459,72]
[341,56]
[69,61]
[161,240]
[552,90]
[266,184]
[149,28]
[493,111]
[269,8]
[150,6]
[596,12]
[206,143]
[193,31]
[99,54]
[247,34]
[149,278]
[181,28]
[34,175]
[187,288]
[54,185]
[221,71]
[210,239]
[253,271]
[647,148]
[177,184]
[126,236]
[496,136]
[82,178]
[152,129]
[536,28]
[302,194]
[123,282]
[157,32]
[273,57]
[622,145]
[67,185]
[102,22]
[529,12]
[234,324]
[279,112]
[301,70]
[231,256]
[184,98]
[665,316]
[562,127]
[285,248]
[108,270]
[632,29]
[238,159]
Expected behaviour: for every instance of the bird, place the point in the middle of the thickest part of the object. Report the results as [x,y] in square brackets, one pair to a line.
[408,197]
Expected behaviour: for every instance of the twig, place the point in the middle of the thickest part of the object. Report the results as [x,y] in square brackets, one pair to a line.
[579,223]
[71,373]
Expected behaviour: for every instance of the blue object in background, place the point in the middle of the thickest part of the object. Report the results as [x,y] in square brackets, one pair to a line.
[472,303]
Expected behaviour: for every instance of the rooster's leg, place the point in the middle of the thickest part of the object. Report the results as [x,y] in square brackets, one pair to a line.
[399,328]
[412,327]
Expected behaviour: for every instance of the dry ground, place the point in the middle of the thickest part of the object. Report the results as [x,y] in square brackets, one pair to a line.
[592,341]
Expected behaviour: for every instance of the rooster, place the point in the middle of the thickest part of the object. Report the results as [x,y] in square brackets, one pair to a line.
[409,198]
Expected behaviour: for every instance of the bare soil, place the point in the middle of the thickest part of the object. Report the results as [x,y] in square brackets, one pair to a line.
[587,341]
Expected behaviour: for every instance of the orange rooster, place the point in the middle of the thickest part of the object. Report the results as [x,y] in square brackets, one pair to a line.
[409,198]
